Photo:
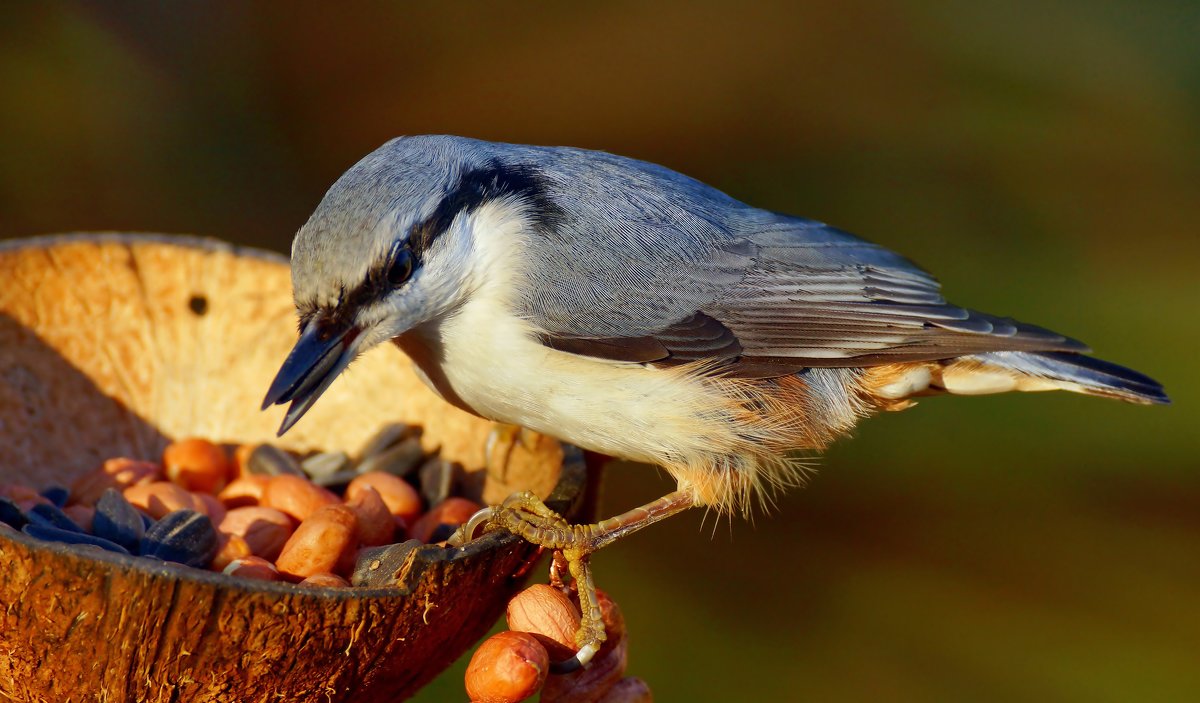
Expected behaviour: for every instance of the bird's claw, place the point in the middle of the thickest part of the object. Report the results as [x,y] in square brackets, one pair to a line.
[466,534]
[572,664]
[526,516]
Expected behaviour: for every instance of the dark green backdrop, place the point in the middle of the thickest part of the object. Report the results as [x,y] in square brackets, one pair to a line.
[1042,158]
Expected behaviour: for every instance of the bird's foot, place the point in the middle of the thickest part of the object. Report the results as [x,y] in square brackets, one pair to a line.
[525,515]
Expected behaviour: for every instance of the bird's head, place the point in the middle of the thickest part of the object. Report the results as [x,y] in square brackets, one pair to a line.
[389,249]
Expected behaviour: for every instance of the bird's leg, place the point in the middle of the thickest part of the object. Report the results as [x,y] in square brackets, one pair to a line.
[525,515]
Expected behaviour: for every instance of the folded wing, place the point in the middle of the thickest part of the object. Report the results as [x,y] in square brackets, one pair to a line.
[807,294]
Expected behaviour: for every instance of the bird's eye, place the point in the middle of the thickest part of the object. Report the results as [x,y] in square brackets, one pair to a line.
[401,267]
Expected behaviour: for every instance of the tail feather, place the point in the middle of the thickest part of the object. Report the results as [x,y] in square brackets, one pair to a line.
[1067,371]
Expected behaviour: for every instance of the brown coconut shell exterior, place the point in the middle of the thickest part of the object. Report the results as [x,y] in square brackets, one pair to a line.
[112,345]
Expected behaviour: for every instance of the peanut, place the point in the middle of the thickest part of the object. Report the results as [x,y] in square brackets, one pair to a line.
[232,547]
[252,568]
[376,525]
[296,496]
[82,515]
[544,610]
[452,512]
[213,508]
[119,473]
[196,464]
[326,541]
[18,493]
[241,459]
[325,580]
[243,491]
[266,530]
[508,667]
[402,500]
[24,497]
[161,497]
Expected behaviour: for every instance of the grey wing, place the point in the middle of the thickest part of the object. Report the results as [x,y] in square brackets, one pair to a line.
[630,256]
[793,293]
[817,296]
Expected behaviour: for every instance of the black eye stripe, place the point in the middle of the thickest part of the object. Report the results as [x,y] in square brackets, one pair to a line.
[474,188]
[481,185]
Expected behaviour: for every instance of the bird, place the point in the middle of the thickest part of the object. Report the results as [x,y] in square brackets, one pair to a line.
[631,310]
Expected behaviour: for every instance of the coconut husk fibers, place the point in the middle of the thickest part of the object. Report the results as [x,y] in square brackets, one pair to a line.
[113,345]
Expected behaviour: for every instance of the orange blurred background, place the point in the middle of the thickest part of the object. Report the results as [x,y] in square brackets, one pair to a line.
[1042,158]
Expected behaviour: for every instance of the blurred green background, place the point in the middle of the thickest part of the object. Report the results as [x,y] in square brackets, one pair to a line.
[1043,158]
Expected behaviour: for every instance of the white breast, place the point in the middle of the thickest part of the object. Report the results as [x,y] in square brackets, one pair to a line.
[494,366]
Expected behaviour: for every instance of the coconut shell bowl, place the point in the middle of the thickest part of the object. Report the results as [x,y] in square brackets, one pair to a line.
[115,345]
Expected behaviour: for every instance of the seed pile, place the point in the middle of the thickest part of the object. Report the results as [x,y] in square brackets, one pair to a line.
[328,519]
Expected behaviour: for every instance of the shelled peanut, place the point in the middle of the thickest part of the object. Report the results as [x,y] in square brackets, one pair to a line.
[324,520]
[512,666]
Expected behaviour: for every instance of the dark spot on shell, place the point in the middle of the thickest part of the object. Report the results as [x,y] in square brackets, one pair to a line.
[198,304]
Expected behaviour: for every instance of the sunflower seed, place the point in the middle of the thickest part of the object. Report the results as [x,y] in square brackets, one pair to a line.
[183,536]
[11,515]
[57,495]
[325,464]
[269,460]
[438,478]
[46,515]
[53,534]
[340,478]
[386,436]
[118,521]
[398,460]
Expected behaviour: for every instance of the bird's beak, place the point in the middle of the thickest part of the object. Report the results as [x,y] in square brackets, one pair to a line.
[323,351]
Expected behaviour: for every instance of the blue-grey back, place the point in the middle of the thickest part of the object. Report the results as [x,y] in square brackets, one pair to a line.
[632,246]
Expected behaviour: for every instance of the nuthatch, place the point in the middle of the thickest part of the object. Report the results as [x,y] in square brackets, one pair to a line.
[636,312]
